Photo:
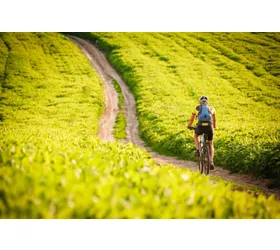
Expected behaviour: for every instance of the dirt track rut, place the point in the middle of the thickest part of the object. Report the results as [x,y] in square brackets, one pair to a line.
[107,73]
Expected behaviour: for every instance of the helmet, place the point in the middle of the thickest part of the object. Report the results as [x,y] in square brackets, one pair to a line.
[203,99]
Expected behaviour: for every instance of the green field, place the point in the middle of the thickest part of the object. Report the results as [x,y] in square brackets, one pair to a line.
[53,166]
[49,74]
[239,72]
[120,124]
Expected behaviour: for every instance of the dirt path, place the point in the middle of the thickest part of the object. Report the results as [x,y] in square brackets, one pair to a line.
[107,73]
[99,62]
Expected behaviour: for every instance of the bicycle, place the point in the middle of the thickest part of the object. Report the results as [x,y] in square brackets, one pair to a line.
[204,158]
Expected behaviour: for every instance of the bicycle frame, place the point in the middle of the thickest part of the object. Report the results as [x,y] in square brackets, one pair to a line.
[204,158]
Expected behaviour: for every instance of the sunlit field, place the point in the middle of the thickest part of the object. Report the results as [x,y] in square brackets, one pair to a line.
[239,72]
[52,165]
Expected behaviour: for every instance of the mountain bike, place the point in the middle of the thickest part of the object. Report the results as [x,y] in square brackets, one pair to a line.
[204,158]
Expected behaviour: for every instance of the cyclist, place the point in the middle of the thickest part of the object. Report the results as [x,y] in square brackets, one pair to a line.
[205,125]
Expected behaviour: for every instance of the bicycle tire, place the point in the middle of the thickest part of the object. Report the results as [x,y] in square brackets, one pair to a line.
[200,159]
[206,160]
[200,163]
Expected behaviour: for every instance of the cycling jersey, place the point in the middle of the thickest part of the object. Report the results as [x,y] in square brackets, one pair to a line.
[211,110]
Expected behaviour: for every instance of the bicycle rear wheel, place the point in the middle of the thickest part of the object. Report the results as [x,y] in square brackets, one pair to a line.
[206,160]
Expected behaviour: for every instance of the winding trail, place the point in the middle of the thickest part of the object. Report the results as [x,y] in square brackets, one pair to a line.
[107,74]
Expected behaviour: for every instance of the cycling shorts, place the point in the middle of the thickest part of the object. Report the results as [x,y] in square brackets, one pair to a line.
[205,129]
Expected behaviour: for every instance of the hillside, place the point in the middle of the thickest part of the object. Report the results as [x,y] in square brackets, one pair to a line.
[239,72]
[52,165]
[49,74]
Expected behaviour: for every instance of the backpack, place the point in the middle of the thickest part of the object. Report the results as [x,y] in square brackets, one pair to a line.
[204,114]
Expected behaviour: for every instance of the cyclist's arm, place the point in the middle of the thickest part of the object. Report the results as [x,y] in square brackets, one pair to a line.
[191,120]
[214,120]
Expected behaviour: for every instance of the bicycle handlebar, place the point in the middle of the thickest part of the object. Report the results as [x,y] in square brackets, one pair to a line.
[192,128]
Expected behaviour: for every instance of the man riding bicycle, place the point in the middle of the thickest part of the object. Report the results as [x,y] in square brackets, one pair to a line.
[206,116]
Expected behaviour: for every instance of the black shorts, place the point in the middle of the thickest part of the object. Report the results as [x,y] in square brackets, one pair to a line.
[207,130]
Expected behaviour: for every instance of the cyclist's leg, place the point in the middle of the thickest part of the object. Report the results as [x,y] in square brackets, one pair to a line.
[210,134]
[197,132]
[196,142]
[212,150]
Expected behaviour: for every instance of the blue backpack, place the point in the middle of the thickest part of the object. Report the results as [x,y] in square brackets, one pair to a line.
[204,114]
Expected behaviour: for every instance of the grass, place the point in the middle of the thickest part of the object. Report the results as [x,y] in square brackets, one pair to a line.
[120,124]
[53,166]
[60,178]
[239,72]
[240,187]
[48,73]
